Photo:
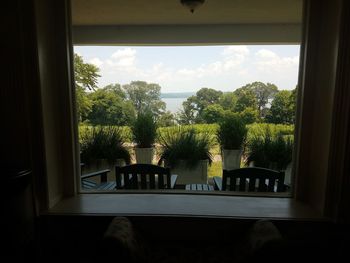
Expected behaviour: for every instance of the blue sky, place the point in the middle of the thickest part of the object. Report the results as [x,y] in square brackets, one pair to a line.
[189,68]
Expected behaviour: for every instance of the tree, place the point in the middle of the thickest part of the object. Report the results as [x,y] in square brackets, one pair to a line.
[166,119]
[281,110]
[145,96]
[83,104]
[228,100]
[249,115]
[245,99]
[117,89]
[206,97]
[213,113]
[108,108]
[194,106]
[263,94]
[293,102]
[189,113]
[85,76]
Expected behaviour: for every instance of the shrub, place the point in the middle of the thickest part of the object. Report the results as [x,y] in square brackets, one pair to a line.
[102,142]
[144,130]
[231,132]
[270,150]
[186,145]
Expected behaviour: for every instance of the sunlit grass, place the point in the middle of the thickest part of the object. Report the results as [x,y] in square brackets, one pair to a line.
[215,169]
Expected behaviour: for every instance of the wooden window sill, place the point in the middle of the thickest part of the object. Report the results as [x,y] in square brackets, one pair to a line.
[189,205]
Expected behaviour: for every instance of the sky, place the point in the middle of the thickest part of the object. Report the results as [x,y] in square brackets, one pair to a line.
[189,68]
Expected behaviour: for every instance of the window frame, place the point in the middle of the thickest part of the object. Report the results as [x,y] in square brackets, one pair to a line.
[305,191]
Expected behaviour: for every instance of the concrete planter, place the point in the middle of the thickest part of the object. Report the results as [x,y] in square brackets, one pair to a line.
[144,155]
[231,159]
[197,175]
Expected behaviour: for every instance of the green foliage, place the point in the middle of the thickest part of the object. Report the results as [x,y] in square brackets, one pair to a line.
[232,132]
[166,119]
[270,149]
[245,98]
[145,96]
[262,93]
[228,100]
[259,129]
[213,113]
[103,142]
[83,105]
[188,115]
[110,108]
[282,108]
[144,130]
[85,76]
[209,129]
[249,115]
[186,145]
[194,106]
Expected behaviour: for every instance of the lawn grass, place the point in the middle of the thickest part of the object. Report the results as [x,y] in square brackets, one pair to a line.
[215,169]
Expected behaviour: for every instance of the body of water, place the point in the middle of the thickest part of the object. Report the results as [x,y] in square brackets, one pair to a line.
[174,104]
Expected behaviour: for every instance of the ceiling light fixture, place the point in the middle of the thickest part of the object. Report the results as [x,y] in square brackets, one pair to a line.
[192,4]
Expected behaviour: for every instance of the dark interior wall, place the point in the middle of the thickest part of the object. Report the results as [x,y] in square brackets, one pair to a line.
[17,52]
[20,130]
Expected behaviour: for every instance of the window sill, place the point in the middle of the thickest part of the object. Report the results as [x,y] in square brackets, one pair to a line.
[151,204]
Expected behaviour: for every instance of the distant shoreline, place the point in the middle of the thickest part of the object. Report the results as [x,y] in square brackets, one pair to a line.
[177,95]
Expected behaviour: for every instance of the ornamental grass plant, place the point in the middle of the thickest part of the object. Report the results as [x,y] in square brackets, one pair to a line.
[184,146]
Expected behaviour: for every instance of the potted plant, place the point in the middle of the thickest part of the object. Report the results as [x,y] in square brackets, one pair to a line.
[102,148]
[231,135]
[187,153]
[270,151]
[144,133]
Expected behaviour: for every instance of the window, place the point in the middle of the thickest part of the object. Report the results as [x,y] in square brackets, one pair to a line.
[187,87]
[318,80]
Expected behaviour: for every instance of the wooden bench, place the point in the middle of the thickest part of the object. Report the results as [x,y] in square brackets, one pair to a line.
[199,187]
[87,184]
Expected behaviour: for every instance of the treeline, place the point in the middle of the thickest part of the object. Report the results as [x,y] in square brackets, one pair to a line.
[117,104]
[254,102]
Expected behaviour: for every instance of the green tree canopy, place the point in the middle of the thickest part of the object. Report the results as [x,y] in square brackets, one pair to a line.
[188,115]
[228,100]
[213,113]
[245,99]
[85,76]
[281,110]
[145,96]
[193,107]
[166,119]
[263,94]
[249,115]
[108,108]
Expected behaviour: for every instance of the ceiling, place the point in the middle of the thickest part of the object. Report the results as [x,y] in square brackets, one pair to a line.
[171,12]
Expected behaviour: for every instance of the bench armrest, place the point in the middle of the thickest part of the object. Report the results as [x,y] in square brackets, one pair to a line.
[217,183]
[102,173]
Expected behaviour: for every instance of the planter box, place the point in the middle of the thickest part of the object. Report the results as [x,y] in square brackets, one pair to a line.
[197,175]
[144,155]
[231,159]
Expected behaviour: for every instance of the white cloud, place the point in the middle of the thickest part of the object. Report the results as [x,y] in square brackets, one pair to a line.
[233,50]
[96,61]
[269,62]
[232,59]
[228,69]
[123,58]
